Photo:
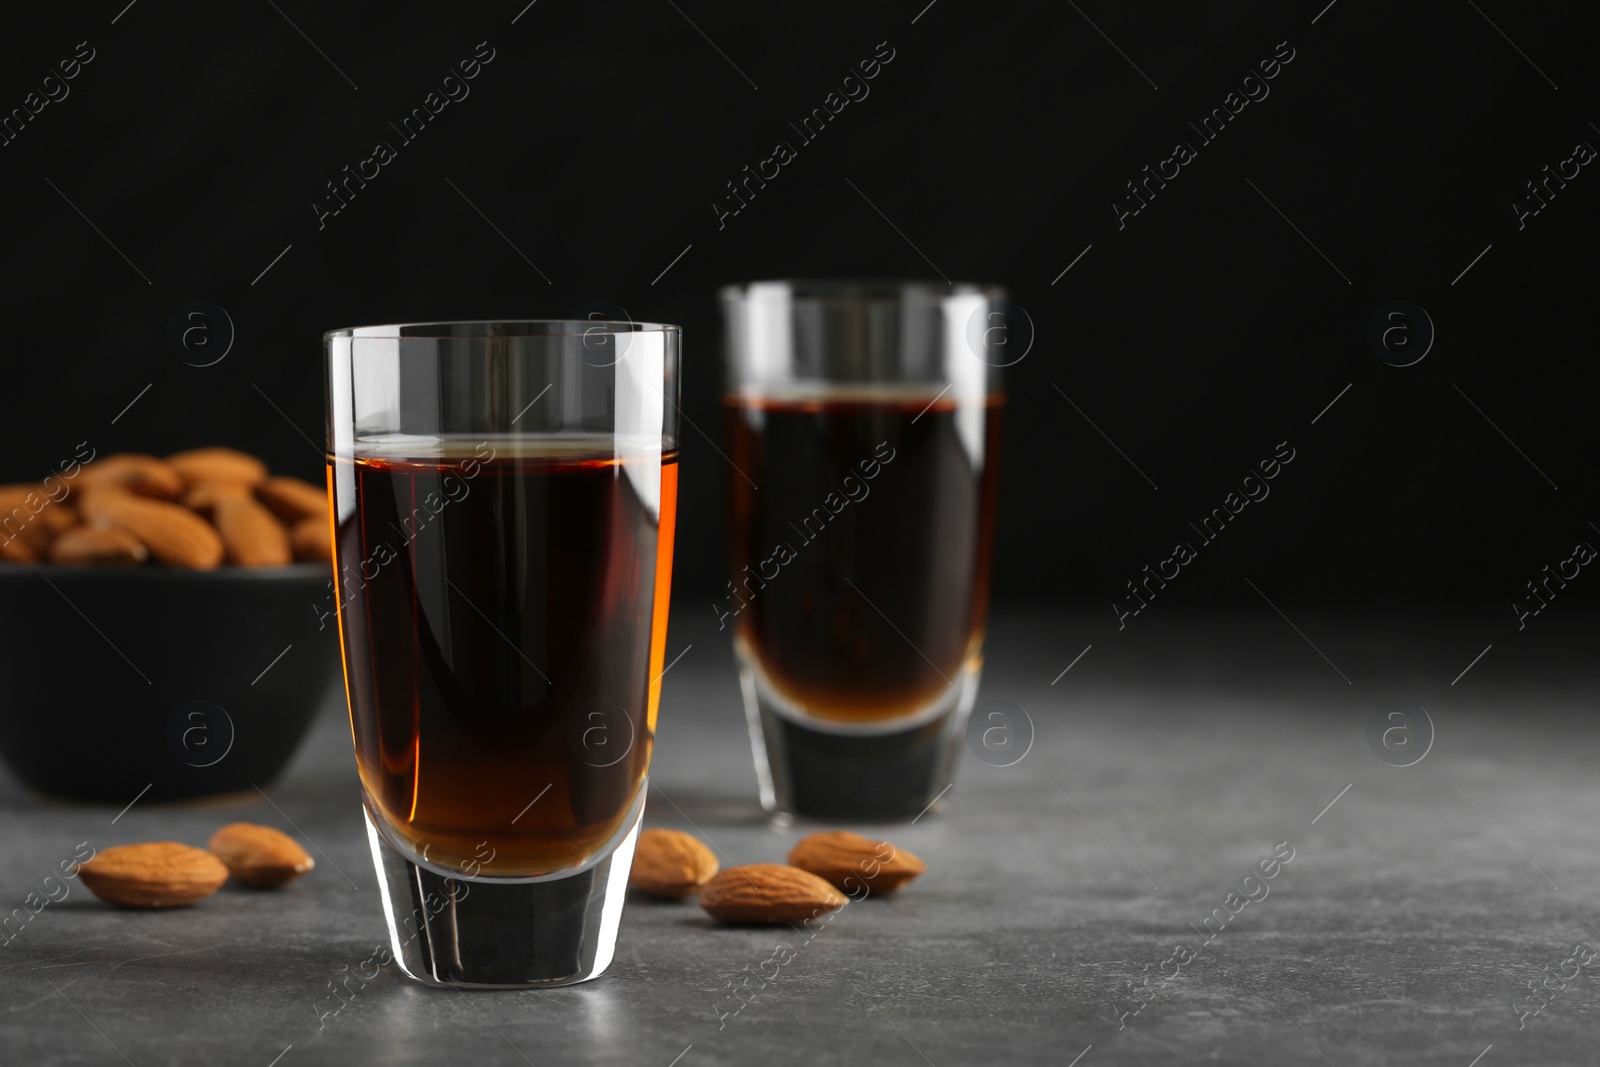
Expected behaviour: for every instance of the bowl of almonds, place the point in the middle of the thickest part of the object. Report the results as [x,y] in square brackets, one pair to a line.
[167,624]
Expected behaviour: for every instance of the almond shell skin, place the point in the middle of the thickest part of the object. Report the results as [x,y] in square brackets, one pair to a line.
[766,893]
[854,863]
[157,874]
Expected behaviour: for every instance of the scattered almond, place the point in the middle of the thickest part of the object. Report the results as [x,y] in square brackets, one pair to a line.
[144,475]
[311,540]
[173,534]
[250,534]
[218,465]
[260,856]
[767,893]
[292,499]
[671,863]
[161,874]
[851,862]
[98,546]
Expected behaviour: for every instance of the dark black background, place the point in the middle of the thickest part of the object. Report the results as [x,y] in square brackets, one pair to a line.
[1197,338]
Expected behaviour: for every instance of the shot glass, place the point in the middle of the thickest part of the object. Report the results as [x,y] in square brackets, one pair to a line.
[863,421]
[504,498]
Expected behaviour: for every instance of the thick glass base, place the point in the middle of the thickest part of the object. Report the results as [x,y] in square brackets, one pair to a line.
[496,933]
[885,771]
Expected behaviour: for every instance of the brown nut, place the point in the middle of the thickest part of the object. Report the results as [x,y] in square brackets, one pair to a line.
[173,534]
[292,499]
[98,546]
[160,874]
[60,518]
[141,474]
[205,496]
[135,472]
[16,550]
[250,535]
[22,516]
[853,863]
[218,465]
[671,863]
[767,893]
[311,541]
[259,856]
[16,492]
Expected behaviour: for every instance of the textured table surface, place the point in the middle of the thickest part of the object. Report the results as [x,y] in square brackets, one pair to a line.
[1166,762]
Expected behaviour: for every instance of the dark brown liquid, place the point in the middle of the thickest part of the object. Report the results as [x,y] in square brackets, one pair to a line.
[504,628]
[885,516]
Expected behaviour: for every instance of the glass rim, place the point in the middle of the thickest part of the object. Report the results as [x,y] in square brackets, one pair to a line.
[462,330]
[858,289]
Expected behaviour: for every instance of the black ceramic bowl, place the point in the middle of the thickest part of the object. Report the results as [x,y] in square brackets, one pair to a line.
[189,682]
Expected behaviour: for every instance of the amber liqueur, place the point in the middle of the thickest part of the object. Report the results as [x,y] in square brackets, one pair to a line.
[504,643]
[860,566]
[861,563]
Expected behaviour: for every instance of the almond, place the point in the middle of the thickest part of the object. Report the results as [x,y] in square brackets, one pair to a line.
[292,499]
[173,534]
[205,496]
[767,893]
[13,494]
[671,863]
[218,465]
[16,550]
[851,862]
[60,518]
[145,475]
[260,856]
[34,504]
[161,874]
[311,541]
[98,546]
[22,508]
[250,535]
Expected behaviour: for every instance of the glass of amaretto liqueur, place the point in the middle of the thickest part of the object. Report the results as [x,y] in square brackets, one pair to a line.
[863,421]
[504,502]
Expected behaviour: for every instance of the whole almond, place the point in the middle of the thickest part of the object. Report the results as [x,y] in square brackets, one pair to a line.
[173,534]
[671,863]
[251,536]
[767,893]
[218,465]
[36,506]
[98,546]
[853,862]
[144,475]
[22,511]
[15,492]
[60,518]
[311,540]
[160,874]
[16,550]
[205,496]
[292,499]
[260,856]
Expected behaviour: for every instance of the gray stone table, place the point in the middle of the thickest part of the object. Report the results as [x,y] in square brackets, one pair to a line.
[1169,760]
